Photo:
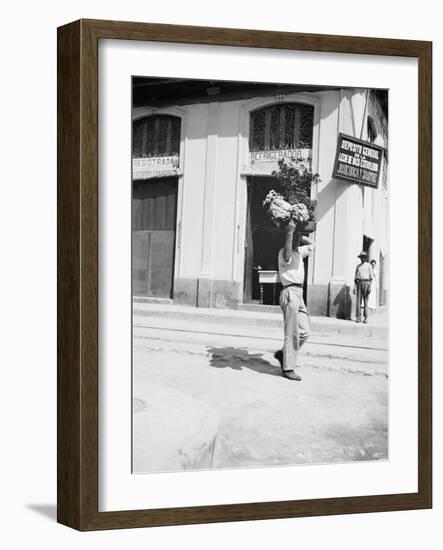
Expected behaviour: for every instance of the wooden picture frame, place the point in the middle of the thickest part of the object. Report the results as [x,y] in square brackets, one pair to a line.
[77,457]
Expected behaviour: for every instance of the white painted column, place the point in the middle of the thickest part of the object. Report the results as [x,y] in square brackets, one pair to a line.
[348,213]
[206,272]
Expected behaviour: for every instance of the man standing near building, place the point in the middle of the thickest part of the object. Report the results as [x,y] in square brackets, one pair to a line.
[295,315]
[362,286]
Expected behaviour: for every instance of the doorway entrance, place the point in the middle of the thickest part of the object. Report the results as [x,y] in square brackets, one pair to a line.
[154,215]
[262,243]
[367,245]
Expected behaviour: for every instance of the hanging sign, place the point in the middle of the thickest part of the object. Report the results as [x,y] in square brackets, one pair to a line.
[154,167]
[358,161]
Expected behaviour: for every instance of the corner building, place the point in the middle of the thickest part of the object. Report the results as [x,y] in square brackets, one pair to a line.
[203,155]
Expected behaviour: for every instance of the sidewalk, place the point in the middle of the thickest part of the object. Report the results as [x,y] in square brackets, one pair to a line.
[377,326]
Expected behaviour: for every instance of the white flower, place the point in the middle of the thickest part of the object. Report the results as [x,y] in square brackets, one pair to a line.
[300,212]
[281,210]
[278,208]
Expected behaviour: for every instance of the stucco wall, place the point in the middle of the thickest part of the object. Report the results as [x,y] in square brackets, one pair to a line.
[193,188]
[207,215]
[212,210]
[327,189]
[227,170]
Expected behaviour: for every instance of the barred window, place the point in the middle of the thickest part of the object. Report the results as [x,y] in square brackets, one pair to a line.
[156,136]
[281,127]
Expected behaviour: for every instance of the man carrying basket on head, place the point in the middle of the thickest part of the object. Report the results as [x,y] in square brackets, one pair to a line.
[294,208]
[295,314]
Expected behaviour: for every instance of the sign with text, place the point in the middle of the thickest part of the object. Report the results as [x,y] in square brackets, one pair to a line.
[154,167]
[358,161]
[274,156]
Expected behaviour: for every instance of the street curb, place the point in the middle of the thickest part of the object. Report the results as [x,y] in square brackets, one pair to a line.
[247,319]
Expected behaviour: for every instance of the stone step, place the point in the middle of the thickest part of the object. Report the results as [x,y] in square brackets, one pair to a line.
[240,319]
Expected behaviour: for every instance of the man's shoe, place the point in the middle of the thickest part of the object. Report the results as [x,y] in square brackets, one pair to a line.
[365,320]
[290,375]
[358,320]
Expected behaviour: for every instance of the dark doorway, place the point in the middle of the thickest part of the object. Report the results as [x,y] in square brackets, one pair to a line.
[367,244]
[154,214]
[263,241]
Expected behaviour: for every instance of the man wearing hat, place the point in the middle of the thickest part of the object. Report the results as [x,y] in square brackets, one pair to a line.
[362,285]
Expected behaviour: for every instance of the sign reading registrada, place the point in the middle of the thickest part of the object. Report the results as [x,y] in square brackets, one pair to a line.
[358,161]
[154,167]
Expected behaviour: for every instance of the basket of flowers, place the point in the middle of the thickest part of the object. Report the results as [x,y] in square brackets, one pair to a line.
[293,202]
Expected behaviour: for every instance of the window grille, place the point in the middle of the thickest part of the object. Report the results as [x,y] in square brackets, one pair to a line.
[282,127]
[156,136]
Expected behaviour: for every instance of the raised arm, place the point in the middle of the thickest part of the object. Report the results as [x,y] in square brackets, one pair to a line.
[307,240]
[287,249]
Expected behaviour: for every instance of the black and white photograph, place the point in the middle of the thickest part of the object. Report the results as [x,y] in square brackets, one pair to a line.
[260,274]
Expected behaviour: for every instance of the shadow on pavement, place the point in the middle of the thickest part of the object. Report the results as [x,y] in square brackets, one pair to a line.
[238,359]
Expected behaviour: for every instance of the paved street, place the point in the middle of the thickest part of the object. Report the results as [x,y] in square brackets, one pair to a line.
[338,413]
